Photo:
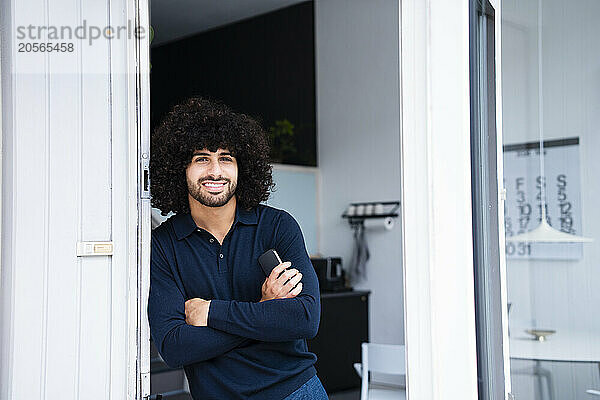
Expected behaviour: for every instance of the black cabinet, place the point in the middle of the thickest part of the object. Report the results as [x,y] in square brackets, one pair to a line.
[164,380]
[344,326]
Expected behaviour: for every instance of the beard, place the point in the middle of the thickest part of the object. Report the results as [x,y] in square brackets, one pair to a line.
[208,199]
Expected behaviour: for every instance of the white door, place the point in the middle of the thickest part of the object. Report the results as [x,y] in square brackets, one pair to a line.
[456,336]
[72,145]
[436,201]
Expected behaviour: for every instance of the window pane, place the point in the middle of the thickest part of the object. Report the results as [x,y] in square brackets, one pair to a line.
[551,114]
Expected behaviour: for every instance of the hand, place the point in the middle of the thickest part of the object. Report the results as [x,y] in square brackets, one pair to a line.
[196,311]
[282,287]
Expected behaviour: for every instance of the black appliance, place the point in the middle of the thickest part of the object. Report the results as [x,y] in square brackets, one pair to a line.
[330,273]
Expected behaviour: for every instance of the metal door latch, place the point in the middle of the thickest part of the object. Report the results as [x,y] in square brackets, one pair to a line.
[94,249]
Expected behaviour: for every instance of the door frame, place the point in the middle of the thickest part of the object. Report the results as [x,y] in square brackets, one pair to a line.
[497,4]
[436,198]
[488,201]
[138,105]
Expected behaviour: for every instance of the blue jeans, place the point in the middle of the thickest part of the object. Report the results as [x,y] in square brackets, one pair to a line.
[311,390]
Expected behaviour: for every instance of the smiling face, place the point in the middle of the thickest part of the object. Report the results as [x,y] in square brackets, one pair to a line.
[212,177]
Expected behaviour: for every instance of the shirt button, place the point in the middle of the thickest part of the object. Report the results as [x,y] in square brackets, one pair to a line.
[212,240]
[221,255]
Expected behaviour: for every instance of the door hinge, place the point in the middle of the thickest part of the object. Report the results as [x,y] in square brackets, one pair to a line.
[145,385]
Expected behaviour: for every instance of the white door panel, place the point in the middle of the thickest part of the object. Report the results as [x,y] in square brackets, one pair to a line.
[68,327]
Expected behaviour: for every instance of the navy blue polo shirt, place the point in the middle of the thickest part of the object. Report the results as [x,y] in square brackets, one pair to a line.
[249,350]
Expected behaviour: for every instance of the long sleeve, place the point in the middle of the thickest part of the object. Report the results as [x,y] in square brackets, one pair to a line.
[279,319]
[177,342]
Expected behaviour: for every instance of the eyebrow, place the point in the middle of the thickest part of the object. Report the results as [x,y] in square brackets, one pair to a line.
[204,153]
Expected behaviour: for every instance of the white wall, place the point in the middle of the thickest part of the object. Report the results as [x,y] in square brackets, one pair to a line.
[561,295]
[359,142]
[296,191]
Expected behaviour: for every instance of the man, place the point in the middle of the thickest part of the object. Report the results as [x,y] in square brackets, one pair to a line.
[238,333]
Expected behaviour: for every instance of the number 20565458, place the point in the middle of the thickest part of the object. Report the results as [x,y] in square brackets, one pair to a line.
[34,47]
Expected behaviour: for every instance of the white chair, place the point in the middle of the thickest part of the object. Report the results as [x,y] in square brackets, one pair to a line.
[388,359]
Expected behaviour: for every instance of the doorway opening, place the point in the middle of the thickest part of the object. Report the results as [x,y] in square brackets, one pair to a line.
[322,80]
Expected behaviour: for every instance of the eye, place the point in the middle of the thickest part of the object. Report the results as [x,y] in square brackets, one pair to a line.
[228,159]
[201,158]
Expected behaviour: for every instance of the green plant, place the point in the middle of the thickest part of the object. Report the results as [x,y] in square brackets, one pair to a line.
[281,137]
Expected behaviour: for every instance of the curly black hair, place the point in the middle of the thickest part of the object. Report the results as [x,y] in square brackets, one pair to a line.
[196,124]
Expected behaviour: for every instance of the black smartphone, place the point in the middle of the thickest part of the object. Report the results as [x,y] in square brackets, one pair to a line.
[269,260]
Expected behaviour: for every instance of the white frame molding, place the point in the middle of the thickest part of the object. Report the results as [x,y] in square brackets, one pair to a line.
[436,199]
[139,216]
[127,80]
[1,154]
[131,91]
[501,197]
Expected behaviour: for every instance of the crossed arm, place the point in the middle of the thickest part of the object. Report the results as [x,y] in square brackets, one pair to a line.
[231,323]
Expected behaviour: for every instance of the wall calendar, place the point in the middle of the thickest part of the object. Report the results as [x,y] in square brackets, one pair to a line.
[523,183]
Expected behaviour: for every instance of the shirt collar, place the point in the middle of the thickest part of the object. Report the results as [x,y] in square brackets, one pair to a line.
[184,224]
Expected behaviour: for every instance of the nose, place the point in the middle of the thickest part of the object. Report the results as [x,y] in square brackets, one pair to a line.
[214,170]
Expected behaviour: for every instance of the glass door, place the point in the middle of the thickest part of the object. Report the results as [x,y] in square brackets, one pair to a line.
[488,272]
[551,114]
